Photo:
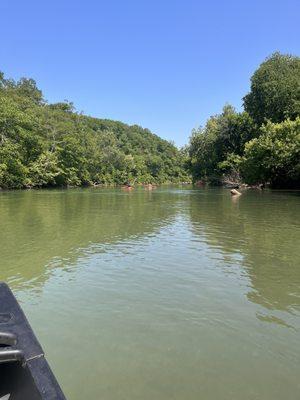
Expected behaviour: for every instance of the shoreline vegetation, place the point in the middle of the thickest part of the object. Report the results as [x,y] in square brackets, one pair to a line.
[52,145]
[259,146]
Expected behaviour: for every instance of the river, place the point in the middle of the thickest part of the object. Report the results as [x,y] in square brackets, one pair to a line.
[176,293]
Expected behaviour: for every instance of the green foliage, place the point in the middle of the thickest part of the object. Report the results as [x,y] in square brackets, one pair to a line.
[275,90]
[261,144]
[275,156]
[44,171]
[223,135]
[231,167]
[12,171]
[52,145]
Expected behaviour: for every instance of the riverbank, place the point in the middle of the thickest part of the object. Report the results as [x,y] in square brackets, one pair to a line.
[98,185]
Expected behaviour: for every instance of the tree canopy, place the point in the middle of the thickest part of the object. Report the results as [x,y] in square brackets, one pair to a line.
[274,156]
[52,145]
[223,135]
[275,90]
[260,144]
[45,144]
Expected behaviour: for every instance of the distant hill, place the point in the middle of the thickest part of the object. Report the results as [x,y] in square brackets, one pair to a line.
[45,145]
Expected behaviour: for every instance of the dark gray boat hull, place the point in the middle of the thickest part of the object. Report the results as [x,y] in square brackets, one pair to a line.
[24,371]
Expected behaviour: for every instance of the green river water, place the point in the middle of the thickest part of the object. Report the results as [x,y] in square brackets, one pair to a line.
[175,293]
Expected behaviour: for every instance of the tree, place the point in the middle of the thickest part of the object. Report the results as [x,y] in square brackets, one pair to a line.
[223,135]
[261,143]
[44,171]
[28,88]
[51,144]
[274,156]
[12,170]
[275,90]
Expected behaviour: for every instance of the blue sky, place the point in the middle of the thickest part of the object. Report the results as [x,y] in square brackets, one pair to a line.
[165,65]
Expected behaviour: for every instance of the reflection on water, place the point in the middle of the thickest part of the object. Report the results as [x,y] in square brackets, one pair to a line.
[171,294]
[265,229]
[48,228]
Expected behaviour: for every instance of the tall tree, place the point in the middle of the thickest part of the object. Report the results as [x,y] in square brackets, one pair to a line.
[275,90]
[274,156]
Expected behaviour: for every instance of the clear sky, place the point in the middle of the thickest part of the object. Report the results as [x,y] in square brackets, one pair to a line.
[165,65]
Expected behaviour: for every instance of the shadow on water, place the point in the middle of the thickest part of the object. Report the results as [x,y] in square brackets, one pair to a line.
[263,228]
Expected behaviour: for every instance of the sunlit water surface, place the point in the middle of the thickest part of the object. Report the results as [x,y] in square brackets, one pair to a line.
[173,294]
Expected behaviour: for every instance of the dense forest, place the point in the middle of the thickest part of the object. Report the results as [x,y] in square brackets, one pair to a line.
[44,145]
[261,144]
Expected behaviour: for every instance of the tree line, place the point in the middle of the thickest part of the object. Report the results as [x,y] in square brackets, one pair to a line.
[261,144]
[44,145]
